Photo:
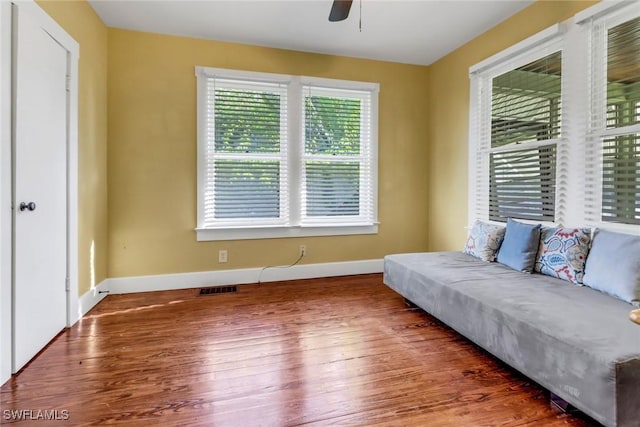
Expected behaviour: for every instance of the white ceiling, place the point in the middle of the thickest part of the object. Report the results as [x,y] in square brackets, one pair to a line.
[408,31]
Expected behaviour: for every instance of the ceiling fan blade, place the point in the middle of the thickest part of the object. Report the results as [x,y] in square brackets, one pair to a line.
[340,10]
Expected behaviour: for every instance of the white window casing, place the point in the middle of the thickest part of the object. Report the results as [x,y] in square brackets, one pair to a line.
[261,172]
[259,197]
[598,152]
[337,180]
[612,149]
[508,100]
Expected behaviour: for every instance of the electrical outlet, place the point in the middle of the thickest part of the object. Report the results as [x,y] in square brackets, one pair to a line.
[303,250]
[222,256]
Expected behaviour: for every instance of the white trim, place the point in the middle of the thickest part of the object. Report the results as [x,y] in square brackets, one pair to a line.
[6,184]
[295,129]
[227,73]
[201,130]
[603,8]
[92,297]
[473,147]
[164,282]
[544,43]
[571,157]
[343,85]
[519,48]
[597,24]
[72,189]
[231,74]
[244,233]
[292,222]
[373,154]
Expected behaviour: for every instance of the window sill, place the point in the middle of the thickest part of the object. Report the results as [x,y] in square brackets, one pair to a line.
[277,232]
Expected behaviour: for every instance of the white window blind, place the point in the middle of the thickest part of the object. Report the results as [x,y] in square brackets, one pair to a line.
[285,156]
[520,125]
[614,152]
[336,160]
[246,156]
[555,124]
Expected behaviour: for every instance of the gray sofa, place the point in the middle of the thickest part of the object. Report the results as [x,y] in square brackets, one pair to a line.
[575,341]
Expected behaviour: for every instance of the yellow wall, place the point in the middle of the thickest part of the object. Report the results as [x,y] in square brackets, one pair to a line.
[449,116]
[152,155]
[82,23]
[147,226]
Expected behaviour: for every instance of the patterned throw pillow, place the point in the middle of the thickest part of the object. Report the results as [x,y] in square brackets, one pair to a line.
[484,241]
[563,253]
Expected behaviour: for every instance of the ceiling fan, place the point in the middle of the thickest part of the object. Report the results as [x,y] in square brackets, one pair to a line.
[340,10]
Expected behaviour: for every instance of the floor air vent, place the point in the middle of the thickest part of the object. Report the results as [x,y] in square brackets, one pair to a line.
[214,290]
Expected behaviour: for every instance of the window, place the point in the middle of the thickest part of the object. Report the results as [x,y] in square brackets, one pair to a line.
[246,162]
[283,156]
[526,118]
[555,124]
[519,126]
[337,156]
[615,122]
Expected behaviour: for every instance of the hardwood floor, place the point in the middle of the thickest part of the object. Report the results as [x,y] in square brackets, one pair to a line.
[339,351]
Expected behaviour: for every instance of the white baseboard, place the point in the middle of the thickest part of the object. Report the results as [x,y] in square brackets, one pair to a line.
[164,282]
[92,297]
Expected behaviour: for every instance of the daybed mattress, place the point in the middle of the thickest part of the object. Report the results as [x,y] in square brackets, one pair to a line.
[575,341]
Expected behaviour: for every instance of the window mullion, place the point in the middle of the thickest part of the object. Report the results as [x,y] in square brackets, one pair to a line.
[295,150]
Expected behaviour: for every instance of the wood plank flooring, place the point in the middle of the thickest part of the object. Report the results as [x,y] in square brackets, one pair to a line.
[338,351]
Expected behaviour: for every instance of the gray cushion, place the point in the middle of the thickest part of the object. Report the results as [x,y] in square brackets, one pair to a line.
[520,246]
[575,341]
[613,265]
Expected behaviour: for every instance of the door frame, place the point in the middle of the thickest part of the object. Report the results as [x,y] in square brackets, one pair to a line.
[6,173]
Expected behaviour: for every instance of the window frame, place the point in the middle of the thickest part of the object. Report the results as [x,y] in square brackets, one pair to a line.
[293,226]
[596,22]
[481,76]
[280,157]
[579,190]
[540,53]
[363,158]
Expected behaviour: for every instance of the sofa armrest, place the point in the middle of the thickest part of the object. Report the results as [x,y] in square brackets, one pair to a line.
[628,393]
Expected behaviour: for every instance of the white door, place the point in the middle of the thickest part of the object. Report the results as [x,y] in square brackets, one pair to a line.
[40,182]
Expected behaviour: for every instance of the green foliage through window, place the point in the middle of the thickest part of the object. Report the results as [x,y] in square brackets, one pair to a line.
[332,125]
[247,121]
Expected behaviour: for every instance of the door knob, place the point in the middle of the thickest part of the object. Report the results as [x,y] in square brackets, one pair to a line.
[27,206]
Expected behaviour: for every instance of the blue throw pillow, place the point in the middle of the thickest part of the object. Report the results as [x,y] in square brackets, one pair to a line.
[520,246]
[613,265]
